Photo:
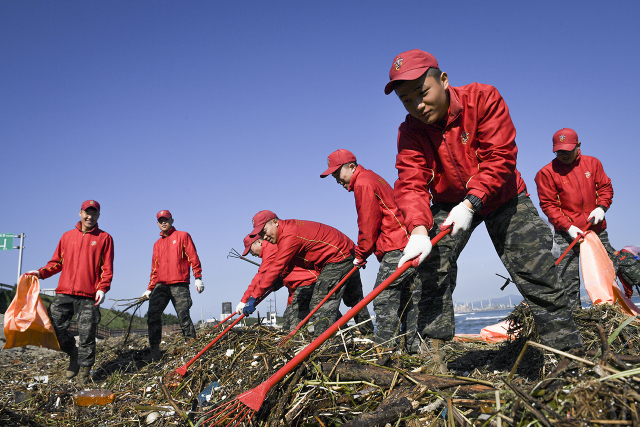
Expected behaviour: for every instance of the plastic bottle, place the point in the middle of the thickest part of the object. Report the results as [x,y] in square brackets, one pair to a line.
[93,397]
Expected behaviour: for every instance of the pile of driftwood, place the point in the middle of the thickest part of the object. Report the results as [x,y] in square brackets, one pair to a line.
[347,381]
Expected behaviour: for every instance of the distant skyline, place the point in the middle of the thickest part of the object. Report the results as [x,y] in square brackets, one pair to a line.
[216,110]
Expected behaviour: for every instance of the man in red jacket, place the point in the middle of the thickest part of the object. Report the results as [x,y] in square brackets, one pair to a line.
[85,257]
[573,191]
[381,231]
[299,282]
[457,167]
[317,247]
[173,254]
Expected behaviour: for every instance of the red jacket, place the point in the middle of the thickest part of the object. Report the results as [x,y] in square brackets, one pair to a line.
[305,244]
[380,222]
[298,276]
[568,193]
[173,254]
[86,262]
[475,153]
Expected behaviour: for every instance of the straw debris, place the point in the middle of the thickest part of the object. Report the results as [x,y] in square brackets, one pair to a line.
[347,381]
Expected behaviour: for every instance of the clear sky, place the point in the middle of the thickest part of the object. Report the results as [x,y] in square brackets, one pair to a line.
[216,110]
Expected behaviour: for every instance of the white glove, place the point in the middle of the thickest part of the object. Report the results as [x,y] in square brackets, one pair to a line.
[33,273]
[99,297]
[199,286]
[460,216]
[597,214]
[146,294]
[574,231]
[239,307]
[360,263]
[418,245]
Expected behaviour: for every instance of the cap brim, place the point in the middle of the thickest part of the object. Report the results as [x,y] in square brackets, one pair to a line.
[564,147]
[329,171]
[407,75]
[246,250]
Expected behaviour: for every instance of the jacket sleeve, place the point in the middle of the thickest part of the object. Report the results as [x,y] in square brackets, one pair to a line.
[369,219]
[154,269]
[550,201]
[55,265]
[106,269]
[189,249]
[268,255]
[604,189]
[497,149]
[287,248]
[411,189]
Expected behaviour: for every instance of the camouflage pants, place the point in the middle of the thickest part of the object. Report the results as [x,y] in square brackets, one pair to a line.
[61,312]
[180,296]
[299,307]
[350,293]
[394,303]
[523,241]
[569,267]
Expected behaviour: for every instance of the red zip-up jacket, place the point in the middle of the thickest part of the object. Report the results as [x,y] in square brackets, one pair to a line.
[475,153]
[380,223]
[296,278]
[305,244]
[568,193]
[173,254]
[86,262]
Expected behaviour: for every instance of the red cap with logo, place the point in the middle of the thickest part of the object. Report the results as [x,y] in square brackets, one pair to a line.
[409,65]
[337,159]
[249,239]
[260,219]
[164,214]
[87,204]
[565,139]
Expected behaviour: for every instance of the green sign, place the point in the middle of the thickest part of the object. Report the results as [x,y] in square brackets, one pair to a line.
[6,242]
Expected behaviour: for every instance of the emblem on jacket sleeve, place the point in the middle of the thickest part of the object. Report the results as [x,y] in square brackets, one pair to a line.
[398,63]
[587,174]
[465,137]
[94,243]
[175,241]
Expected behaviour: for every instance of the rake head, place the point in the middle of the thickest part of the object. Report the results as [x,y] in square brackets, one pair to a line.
[172,379]
[286,339]
[239,410]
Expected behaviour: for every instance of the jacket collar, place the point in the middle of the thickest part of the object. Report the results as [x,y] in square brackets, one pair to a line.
[354,177]
[95,231]
[169,232]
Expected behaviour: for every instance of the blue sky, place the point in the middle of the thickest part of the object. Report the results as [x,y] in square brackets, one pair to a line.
[216,110]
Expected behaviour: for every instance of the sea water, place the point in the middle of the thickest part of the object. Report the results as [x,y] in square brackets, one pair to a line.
[473,322]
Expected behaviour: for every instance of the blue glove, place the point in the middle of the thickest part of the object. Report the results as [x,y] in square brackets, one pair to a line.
[249,307]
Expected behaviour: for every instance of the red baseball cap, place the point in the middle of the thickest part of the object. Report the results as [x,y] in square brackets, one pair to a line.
[249,239]
[337,159]
[163,214]
[565,139]
[409,65]
[260,219]
[90,204]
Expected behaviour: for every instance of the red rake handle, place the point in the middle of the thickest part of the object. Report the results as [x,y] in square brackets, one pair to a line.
[344,319]
[216,339]
[317,307]
[578,237]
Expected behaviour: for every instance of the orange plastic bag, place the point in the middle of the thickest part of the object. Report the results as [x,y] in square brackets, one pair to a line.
[26,321]
[599,277]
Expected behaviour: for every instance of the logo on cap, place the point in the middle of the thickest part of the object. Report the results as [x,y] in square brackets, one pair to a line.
[161,212]
[398,63]
[328,161]
[562,138]
[253,222]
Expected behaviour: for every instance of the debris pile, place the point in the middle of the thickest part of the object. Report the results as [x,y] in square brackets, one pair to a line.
[347,381]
